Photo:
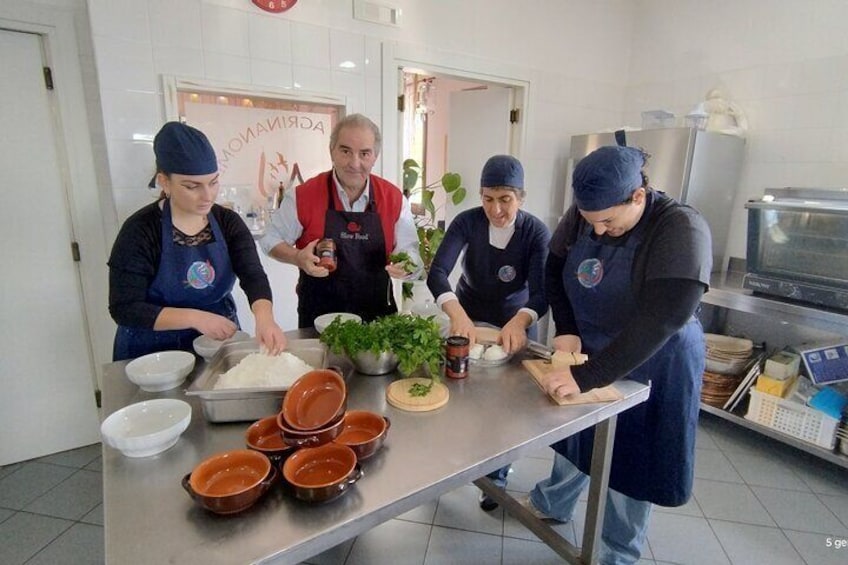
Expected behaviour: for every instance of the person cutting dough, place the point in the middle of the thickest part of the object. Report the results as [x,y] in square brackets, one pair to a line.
[625,275]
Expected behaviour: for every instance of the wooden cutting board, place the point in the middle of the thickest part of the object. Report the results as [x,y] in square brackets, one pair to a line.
[539,368]
[397,394]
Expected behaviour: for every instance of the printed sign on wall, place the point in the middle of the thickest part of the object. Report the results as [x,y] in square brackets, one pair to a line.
[263,151]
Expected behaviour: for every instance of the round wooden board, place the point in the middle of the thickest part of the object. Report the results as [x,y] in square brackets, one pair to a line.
[397,394]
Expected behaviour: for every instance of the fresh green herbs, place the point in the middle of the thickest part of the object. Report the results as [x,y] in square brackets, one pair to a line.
[418,389]
[414,339]
[404,260]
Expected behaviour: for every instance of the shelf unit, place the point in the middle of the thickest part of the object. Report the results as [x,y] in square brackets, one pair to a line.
[726,292]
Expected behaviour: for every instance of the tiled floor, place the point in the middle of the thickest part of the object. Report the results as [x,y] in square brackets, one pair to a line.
[756,501]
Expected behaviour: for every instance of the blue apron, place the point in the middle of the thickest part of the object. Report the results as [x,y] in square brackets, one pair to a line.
[493,285]
[360,283]
[199,277]
[654,453]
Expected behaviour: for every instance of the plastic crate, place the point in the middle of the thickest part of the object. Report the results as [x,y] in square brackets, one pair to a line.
[792,418]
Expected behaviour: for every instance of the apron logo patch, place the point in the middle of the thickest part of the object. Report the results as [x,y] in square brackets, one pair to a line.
[506,273]
[200,275]
[353,227]
[590,273]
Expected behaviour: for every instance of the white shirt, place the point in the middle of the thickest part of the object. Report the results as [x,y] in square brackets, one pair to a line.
[285,227]
[498,238]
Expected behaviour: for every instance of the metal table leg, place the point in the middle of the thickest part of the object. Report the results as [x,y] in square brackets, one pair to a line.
[598,485]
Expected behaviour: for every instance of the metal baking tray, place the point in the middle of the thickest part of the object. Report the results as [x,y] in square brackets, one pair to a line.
[243,404]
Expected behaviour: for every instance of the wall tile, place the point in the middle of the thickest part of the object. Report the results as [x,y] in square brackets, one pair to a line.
[230,68]
[126,19]
[124,65]
[129,113]
[310,45]
[131,161]
[225,30]
[269,38]
[178,61]
[347,48]
[271,73]
[175,24]
[310,78]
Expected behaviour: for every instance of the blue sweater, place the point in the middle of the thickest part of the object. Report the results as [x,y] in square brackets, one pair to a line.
[495,283]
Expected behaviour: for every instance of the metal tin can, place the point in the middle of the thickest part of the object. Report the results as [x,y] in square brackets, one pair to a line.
[456,357]
[326,252]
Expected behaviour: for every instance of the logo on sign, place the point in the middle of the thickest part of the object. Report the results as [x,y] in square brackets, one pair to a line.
[275,6]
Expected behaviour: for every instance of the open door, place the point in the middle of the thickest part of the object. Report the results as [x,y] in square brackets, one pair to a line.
[479,128]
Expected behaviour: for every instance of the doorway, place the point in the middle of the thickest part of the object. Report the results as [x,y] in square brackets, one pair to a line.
[453,124]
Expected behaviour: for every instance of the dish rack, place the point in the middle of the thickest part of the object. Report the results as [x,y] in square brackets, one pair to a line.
[792,418]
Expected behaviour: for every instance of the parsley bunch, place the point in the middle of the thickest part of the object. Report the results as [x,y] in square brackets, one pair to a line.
[413,339]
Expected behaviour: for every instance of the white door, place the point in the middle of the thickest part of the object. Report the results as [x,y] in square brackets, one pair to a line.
[47,402]
[479,128]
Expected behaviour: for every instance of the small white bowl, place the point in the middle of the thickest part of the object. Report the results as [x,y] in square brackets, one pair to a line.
[160,371]
[207,347]
[146,428]
[324,320]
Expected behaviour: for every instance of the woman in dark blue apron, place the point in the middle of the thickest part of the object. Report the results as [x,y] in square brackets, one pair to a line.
[502,269]
[626,271]
[175,261]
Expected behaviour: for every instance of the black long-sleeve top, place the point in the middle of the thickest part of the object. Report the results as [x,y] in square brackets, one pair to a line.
[135,256]
[670,275]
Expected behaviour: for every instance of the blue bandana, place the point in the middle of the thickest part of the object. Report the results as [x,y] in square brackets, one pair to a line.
[502,170]
[607,177]
[183,150]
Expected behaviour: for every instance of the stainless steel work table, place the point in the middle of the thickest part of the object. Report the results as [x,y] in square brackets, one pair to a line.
[494,417]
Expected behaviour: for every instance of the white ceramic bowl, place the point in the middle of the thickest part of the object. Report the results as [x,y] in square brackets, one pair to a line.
[160,371]
[146,428]
[207,347]
[324,320]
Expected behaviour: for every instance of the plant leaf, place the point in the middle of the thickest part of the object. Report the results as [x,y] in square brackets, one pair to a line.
[410,178]
[451,181]
[427,201]
[411,164]
[458,196]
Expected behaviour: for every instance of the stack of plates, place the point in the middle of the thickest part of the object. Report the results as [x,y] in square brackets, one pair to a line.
[727,358]
[727,355]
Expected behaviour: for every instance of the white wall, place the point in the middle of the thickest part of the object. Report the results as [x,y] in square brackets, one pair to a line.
[785,62]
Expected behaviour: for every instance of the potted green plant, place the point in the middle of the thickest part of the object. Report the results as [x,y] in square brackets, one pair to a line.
[430,230]
[413,340]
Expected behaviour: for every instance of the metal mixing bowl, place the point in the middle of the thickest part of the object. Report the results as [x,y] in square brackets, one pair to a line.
[368,363]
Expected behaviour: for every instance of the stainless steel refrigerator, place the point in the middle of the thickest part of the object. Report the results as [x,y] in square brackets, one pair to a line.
[696,167]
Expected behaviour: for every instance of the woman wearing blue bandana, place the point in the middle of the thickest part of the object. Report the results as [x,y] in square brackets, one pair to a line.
[175,261]
[625,274]
[502,269]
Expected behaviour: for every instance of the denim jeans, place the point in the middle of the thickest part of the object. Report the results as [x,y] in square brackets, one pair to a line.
[499,476]
[625,519]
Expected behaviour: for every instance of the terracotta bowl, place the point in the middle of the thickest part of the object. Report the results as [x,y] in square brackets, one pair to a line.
[230,481]
[364,432]
[318,474]
[266,437]
[315,400]
[309,438]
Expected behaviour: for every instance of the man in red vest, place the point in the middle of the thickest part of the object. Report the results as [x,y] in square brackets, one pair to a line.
[366,216]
